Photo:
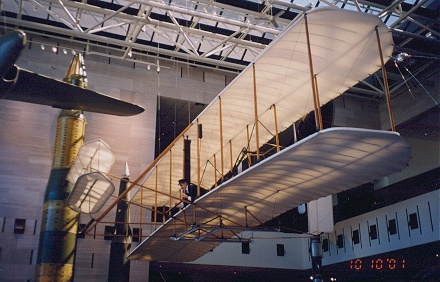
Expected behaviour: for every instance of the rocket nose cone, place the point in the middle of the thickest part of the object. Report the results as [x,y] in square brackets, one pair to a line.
[76,73]
[126,173]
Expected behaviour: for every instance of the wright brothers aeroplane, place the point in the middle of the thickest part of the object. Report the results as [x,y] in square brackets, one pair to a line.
[233,149]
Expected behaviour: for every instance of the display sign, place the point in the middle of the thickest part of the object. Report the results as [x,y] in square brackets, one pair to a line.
[378,263]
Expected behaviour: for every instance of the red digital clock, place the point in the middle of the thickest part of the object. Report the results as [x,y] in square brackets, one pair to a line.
[377,264]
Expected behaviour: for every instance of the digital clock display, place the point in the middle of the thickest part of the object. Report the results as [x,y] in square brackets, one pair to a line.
[382,264]
[399,265]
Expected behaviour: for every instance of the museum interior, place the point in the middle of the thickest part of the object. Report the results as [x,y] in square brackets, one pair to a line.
[309,132]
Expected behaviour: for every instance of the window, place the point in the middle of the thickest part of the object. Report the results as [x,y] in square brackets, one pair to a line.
[325,245]
[19,226]
[245,248]
[413,222]
[392,227]
[355,237]
[373,232]
[340,241]
[136,234]
[108,232]
[280,250]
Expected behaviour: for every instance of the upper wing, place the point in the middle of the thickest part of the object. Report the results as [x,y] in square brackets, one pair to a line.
[344,51]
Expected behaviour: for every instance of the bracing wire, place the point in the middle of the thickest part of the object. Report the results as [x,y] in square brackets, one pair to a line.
[404,79]
[427,92]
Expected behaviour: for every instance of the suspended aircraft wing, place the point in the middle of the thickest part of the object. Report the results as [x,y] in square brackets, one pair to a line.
[339,49]
[25,86]
[325,163]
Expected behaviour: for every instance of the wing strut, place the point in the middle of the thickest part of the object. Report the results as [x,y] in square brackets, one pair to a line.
[318,115]
[385,80]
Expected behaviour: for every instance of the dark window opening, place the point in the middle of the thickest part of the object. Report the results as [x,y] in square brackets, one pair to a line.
[355,237]
[373,232]
[392,227]
[245,248]
[19,226]
[340,241]
[280,250]
[325,245]
[108,232]
[136,234]
[413,222]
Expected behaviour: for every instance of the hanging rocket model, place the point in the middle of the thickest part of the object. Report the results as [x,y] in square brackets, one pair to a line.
[119,265]
[59,226]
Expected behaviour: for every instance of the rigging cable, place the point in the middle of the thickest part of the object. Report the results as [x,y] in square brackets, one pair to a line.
[404,79]
[427,92]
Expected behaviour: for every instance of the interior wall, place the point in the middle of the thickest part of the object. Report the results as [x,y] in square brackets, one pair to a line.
[423,94]
[27,140]
[351,111]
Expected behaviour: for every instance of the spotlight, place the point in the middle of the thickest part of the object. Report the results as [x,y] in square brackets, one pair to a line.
[401,57]
[43,47]
[54,49]
[148,67]
[64,51]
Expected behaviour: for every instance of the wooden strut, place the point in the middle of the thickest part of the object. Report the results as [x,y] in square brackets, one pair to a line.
[277,139]
[247,211]
[318,116]
[155,199]
[248,148]
[257,136]
[198,158]
[215,171]
[198,163]
[140,217]
[230,155]
[315,81]
[385,80]
[221,139]
[171,181]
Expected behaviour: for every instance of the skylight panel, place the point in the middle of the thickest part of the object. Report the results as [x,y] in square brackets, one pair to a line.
[29,8]
[207,22]
[184,4]
[146,35]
